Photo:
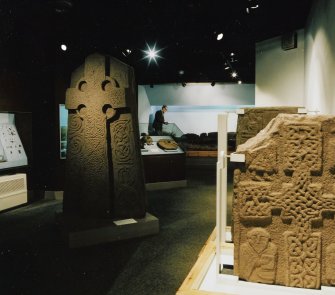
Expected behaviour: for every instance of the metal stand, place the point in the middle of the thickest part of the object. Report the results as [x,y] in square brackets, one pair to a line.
[221,189]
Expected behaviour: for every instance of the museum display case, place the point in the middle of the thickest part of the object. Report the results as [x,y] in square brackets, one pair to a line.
[169,129]
[63,117]
[163,166]
[13,188]
[12,153]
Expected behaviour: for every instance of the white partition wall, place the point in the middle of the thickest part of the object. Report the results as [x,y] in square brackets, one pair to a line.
[195,107]
[320,58]
[279,73]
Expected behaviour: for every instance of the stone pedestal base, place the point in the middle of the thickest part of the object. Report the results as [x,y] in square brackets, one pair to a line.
[81,232]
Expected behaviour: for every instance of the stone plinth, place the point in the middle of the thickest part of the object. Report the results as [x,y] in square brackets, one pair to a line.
[80,232]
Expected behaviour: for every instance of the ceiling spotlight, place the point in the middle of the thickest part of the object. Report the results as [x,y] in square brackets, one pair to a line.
[213,84]
[183,84]
[63,47]
[232,54]
[61,6]
[181,72]
[219,36]
[253,4]
[151,54]
[126,52]
[239,82]
[234,74]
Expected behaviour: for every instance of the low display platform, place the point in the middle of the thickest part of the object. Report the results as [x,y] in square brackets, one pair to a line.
[83,232]
[203,279]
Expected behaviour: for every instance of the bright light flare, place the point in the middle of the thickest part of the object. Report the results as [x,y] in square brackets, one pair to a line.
[234,74]
[219,36]
[152,54]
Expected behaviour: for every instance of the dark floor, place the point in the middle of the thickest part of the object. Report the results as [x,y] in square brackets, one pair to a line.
[35,260]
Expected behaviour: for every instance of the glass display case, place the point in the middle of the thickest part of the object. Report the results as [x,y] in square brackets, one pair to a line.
[63,116]
[163,166]
[170,129]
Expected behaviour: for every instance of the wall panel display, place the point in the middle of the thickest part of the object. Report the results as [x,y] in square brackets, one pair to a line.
[12,153]
[63,115]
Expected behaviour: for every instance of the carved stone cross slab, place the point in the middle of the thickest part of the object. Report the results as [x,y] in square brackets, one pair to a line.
[104,174]
[284,204]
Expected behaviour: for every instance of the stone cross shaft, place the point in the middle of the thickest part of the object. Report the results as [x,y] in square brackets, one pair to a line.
[103,159]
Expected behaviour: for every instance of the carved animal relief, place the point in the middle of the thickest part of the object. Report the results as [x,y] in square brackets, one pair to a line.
[104,175]
[284,204]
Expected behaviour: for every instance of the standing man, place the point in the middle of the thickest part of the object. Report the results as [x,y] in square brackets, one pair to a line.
[159,120]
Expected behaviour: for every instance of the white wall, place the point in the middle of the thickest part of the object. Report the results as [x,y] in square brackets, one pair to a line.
[194,108]
[201,94]
[201,119]
[143,105]
[279,73]
[320,58]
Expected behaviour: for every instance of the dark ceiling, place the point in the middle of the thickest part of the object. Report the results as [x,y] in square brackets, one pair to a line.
[184,31]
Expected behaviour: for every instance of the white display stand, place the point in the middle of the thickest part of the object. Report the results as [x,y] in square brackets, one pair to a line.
[221,188]
[13,190]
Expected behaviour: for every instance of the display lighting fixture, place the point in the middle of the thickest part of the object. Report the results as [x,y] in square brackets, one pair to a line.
[61,6]
[233,57]
[181,72]
[234,74]
[126,52]
[63,47]
[239,82]
[252,5]
[219,36]
[151,54]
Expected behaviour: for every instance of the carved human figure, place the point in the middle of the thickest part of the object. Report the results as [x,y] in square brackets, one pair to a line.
[258,257]
[330,264]
[287,187]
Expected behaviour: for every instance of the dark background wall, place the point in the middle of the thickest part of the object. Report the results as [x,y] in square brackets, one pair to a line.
[34,75]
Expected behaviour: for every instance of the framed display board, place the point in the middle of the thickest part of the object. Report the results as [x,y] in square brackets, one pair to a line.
[12,153]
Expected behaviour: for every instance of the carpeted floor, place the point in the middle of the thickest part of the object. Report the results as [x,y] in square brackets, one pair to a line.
[35,260]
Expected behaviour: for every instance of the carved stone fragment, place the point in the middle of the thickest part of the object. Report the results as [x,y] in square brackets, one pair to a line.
[254,120]
[284,204]
[104,174]
[258,257]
